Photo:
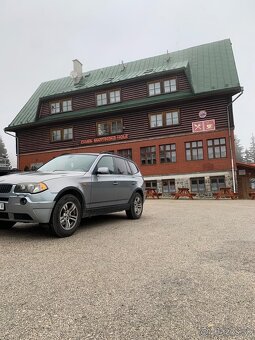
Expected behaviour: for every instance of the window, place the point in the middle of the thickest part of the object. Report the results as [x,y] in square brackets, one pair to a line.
[110,127]
[194,151]
[164,119]
[106,161]
[61,106]
[217,148]
[148,155]
[172,118]
[101,99]
[125,153]
[168,186]
[252,183]
[115,96]
[198,185]
[109,97]
[156,120]
[121,166]
[162,86]
[154,89]
[217,183]
[170,85]
[58,135]
[133,168]
[167,153]
[67,105]
[151,184]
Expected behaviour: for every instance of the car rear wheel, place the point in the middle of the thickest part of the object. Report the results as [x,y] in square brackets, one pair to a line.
[6,224]
[66,216]
[136,207]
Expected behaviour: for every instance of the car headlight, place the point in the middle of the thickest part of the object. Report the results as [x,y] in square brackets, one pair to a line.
[32,188]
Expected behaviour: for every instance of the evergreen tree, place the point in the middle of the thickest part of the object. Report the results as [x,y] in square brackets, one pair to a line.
[3,152]
[246,157]
[239,150]
[252,149]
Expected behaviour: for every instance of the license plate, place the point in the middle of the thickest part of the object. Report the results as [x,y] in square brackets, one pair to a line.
[1,206]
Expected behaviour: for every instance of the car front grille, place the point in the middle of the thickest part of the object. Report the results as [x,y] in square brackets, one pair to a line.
[22,217]
[4,216]
[5,188]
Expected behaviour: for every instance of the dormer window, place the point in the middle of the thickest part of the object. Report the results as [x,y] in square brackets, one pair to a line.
[162,86]
[61,106]
[109,97]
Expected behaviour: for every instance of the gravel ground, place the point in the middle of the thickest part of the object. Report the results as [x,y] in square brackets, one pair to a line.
[185,270]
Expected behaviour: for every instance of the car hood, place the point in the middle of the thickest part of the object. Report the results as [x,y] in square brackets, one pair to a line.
[36,177]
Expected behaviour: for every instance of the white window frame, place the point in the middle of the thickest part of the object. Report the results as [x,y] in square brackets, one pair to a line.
[154,88]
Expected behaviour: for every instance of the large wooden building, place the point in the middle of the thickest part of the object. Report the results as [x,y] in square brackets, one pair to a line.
[172,114]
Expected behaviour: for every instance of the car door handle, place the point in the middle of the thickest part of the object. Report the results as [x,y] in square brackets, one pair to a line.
[115,183]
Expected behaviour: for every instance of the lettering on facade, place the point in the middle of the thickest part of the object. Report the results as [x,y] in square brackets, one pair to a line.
[203,126]
[105,139]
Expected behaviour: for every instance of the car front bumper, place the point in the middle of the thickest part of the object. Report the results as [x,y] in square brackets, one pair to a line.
[26,208]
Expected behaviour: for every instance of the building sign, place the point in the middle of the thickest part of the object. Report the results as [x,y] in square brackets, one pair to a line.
[242,172]
[203,126]
[105,139]
[202,114]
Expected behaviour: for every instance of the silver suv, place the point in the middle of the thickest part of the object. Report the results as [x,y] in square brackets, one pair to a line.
[71,187]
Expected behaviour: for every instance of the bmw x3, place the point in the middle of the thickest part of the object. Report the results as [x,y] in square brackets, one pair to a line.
[71,187]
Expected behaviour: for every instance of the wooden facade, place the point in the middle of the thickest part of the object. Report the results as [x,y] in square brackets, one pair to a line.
[182,136]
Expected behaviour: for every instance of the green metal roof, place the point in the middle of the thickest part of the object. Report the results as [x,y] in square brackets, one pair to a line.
[209,68]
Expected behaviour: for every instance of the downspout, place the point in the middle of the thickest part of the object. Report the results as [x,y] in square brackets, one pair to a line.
[230,141]
[17,147]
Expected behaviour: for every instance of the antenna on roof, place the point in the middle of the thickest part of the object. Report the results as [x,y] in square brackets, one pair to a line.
[168,56]
[123,65]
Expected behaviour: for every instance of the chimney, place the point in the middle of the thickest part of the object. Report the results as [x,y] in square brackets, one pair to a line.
[76,74]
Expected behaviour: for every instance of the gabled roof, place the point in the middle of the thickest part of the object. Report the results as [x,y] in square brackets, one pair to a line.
[210,68]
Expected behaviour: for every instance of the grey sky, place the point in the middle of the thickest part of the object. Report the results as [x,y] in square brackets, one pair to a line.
[39,39]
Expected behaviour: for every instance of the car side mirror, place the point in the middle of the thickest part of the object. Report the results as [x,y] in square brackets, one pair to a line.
[103,170]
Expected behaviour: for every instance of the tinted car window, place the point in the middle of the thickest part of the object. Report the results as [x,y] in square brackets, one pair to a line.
[106,161]
[133,167]
[121,168]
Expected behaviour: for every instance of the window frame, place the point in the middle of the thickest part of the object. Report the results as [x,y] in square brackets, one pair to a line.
[108,97]
[162,86]
[197,179]
[61,134]
[194,148]
[146,155]
[60,102]
[127,153]
[171,151]
[214,146]
[109,123]
[163,115]
[217,178]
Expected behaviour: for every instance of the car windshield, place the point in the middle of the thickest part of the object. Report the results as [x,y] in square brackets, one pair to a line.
[69,163]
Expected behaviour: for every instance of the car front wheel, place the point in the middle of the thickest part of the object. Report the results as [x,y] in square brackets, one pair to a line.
[66,216]
[136,207]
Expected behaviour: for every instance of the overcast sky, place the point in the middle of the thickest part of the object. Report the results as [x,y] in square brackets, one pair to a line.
[39,39]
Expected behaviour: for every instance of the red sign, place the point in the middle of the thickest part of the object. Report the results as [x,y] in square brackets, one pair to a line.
[105,139]
[203,126]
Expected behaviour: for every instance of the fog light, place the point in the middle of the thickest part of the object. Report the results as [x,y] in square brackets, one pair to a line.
[23,201]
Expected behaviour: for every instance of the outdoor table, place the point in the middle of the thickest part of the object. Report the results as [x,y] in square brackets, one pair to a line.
[183,192]
[152,193]
[252,195]
[225,193]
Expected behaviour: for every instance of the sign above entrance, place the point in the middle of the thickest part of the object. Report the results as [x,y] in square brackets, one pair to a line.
[203,126]
[105,139]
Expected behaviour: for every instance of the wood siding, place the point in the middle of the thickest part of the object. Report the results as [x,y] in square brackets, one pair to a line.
[135,90]
[136,125]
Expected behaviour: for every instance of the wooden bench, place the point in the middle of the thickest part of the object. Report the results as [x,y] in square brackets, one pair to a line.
[225,193]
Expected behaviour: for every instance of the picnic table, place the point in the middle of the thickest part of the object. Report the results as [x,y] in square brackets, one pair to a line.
[153,193]
[225,193]
[252,195]
[183,192]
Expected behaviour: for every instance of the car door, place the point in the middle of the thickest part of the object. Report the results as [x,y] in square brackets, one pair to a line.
[125,183]
[104,186]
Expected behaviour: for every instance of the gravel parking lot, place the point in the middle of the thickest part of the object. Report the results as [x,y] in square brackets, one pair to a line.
[185,270]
